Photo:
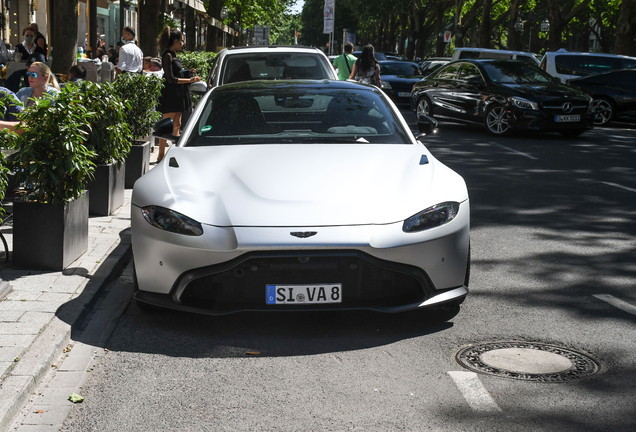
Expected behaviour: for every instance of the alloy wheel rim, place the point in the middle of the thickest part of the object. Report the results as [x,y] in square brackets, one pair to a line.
[497,121]
[603,111]
[423,108]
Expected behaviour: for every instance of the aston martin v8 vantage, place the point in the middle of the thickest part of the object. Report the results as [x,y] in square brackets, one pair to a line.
[299,195]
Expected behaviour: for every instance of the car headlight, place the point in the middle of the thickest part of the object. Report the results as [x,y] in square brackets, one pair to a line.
[432,217]
[524,103]
[172,221]
[386,85]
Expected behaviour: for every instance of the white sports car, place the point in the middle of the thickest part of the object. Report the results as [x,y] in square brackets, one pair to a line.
[299,195]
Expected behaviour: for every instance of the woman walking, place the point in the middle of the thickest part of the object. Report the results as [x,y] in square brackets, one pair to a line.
[174,95]
[367,68]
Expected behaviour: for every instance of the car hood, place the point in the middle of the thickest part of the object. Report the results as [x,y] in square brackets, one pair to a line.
[545,91]
[299,185]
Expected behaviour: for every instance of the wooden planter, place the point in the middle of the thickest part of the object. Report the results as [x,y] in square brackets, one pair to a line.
[107,189]
[50,236]
[138,162]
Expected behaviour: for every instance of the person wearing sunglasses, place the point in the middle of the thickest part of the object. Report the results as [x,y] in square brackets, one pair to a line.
[41,82]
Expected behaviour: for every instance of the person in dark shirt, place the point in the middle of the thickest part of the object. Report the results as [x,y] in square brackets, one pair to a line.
[12,105]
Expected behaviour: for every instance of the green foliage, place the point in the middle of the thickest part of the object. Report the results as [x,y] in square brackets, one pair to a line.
[52,157]
[140,94]
[108,134]
[199,60]
[165,20]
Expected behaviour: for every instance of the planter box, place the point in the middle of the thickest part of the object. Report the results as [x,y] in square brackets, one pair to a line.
[138,162]
[50,236]
[107,189]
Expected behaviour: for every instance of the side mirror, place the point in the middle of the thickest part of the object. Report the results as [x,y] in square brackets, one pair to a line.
[198,88]
[475,81]
[163,129]
[425,126]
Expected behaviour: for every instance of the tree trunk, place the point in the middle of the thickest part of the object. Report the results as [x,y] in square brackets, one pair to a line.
[410,48]
[148,31]
[486,28]
[439,41]
[404,24]
[515,42]
[214,10]
[65,35]
[191,31]
[626,29]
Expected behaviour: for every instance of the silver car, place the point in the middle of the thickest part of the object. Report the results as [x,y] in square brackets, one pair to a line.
[299,195]
[269,63]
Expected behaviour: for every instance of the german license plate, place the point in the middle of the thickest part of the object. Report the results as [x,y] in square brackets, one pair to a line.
[567,118]
[404,94]
[304,294]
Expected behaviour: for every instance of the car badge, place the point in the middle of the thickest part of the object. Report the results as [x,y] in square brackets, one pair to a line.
[567,107]
[304,234]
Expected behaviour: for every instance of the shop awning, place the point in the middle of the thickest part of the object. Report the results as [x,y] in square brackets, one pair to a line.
[194,4]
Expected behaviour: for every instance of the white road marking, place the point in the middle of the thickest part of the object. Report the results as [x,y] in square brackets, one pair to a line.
[622,305]
[474,391]
[514,151]
[619,186]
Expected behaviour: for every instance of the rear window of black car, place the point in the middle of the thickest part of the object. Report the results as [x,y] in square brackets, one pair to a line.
[283,114]
[399,69]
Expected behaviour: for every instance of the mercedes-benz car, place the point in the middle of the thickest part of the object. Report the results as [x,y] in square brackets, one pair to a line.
[503,95]
[299,195]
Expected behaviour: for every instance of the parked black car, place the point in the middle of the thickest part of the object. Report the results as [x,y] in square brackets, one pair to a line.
[503,95]
[430,65]
[398,78]
[614,94]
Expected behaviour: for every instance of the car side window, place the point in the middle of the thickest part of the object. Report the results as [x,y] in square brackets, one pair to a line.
[468,71]
[449,72]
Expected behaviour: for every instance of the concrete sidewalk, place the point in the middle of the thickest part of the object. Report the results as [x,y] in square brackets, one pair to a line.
[39,309]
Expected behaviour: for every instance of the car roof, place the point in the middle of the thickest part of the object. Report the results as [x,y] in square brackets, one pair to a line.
[268,47]
[555,53]
[494,50]
[264,84]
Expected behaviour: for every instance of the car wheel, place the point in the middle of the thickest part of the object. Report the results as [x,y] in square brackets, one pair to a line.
[424,107]
[572,133]
[604,111]
[497,120]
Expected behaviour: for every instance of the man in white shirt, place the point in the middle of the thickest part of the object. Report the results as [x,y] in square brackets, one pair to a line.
[130,56]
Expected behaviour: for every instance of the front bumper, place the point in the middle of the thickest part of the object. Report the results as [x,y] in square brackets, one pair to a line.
[227,268]
[545,121]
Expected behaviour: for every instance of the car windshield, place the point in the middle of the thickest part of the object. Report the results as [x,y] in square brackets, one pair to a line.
[515,72]
[286,114]
[399,69]
[273,66]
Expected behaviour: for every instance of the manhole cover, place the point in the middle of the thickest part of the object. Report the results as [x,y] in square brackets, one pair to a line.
[529,361]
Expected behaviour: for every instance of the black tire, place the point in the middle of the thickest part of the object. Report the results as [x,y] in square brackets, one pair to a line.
[424,106]
[496,120]
[572,133]
[605,111]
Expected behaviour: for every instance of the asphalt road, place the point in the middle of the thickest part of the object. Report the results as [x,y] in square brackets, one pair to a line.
[552,226]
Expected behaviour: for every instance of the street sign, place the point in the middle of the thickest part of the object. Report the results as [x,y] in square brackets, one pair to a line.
[447,36]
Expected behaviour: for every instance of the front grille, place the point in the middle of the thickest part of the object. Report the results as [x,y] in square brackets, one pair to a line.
[556,107]
[366,281]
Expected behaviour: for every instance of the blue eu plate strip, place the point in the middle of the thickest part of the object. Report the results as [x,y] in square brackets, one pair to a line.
[271,294]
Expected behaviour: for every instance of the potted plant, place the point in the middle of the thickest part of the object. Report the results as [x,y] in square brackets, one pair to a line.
[140,94]
[50,225]
[108,135]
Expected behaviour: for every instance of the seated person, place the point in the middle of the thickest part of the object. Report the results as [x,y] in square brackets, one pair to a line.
[153,66]
[18,79]
[12,105]
[76,74]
